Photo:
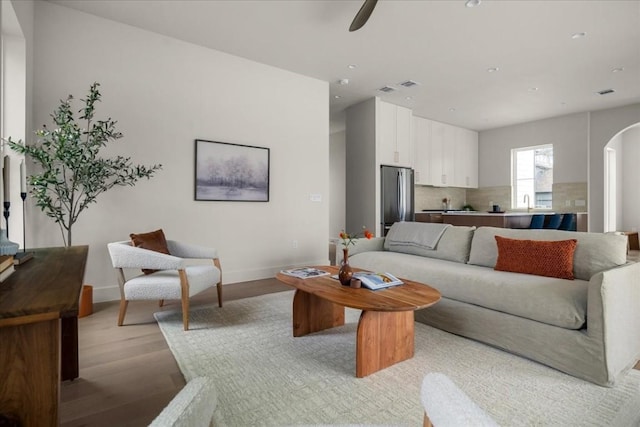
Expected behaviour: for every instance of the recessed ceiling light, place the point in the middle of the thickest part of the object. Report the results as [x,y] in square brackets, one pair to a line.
[533,89]
[452,109]
[617,70]
[343,81]
[472,3]
[409,98]
[492,69]
[336,96]
[578,35]
[351,66]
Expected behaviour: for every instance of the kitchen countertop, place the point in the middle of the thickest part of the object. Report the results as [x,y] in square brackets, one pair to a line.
[507,213]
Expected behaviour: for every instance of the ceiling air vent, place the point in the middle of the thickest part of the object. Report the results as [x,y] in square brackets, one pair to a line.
[409,83]
[605,92]
[387,89]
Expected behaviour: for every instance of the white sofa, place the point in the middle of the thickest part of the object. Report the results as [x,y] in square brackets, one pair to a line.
[588,327]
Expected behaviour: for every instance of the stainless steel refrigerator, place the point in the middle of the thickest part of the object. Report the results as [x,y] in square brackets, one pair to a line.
[397,196]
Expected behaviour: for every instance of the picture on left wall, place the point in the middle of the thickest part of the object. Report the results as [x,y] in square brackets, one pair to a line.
[231,172]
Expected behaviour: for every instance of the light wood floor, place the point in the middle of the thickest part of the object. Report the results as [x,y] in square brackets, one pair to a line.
[128,374]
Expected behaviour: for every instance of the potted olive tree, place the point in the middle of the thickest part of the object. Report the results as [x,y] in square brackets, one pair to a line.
[72,174]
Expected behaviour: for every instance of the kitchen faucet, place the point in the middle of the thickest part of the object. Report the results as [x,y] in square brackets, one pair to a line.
[526,199]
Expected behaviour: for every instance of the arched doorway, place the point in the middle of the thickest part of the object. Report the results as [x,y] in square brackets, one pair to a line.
[621,174]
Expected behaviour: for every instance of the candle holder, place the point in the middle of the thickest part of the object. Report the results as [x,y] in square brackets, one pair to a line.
[7,206]
[24,256]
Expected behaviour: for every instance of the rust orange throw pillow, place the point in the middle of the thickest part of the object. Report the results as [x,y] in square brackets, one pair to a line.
[539,257]
[153,241]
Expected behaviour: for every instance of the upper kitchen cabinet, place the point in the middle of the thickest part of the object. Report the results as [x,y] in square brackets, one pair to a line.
[445,155]
[443,139]
[466,158]
[422,148]
[393,125]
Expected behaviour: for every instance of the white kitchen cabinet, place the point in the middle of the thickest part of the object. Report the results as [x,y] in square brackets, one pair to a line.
[466,158]
[395,145]
[443,137]
[422,149]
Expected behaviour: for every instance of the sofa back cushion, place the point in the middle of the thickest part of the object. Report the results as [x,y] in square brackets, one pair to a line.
[453,245]
[594,252]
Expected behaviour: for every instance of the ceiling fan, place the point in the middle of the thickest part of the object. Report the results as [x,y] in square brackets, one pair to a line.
[363,14]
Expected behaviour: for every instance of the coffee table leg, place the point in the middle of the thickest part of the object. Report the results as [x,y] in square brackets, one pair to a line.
[313,314]
[383,339]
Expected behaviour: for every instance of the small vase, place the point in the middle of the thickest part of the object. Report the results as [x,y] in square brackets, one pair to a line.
[346,273]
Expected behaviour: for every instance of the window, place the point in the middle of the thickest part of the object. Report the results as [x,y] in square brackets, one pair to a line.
[532,177]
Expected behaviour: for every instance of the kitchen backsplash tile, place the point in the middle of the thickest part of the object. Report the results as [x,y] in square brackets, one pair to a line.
[572,192]
[483,198]
[431,197]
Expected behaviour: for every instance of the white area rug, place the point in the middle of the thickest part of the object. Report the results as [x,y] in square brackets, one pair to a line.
[264,376]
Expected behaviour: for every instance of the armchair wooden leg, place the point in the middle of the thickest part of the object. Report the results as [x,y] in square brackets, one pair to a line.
[184,285]
[123,311]
[185,313]
[219,286]
[426,422]
[160,303]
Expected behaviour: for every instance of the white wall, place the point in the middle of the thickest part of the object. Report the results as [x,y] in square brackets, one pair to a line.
[630,212]
[165,93]
[337,180]
[362,175]
[568,134]
[604,125]
[616,145]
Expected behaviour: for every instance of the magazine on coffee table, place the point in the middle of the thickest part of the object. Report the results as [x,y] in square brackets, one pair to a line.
[376,281]
[305,272]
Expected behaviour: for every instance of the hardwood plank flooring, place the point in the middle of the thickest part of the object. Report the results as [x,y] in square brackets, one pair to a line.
[128,374]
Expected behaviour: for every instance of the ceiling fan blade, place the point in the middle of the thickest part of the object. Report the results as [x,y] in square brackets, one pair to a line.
[363,15]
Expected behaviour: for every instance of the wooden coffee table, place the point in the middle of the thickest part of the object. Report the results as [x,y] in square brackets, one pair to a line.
[385,333]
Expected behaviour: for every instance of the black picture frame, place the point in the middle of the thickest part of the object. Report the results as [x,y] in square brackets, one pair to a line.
[231,172]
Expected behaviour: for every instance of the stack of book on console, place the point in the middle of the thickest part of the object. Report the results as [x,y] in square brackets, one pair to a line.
[6,266]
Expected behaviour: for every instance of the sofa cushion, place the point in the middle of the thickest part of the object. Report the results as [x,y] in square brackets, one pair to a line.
[549,300]
[595,252]
[542,258]
[454,244]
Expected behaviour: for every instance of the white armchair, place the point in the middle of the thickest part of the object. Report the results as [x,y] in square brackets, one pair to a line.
[173,280]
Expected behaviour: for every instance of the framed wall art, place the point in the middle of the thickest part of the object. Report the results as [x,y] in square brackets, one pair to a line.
[231,172]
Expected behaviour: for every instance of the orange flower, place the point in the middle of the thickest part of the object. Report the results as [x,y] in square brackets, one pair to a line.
[349,239]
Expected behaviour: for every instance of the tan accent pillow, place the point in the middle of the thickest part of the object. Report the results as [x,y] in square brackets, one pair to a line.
[153,241]
[539,257]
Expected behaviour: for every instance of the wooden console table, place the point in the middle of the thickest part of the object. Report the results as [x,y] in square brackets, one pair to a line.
[39,333]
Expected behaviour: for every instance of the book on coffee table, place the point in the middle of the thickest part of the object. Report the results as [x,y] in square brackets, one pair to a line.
[305,272]
[376,281]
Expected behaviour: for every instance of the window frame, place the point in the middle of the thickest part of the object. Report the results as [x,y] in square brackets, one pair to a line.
[514,179]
